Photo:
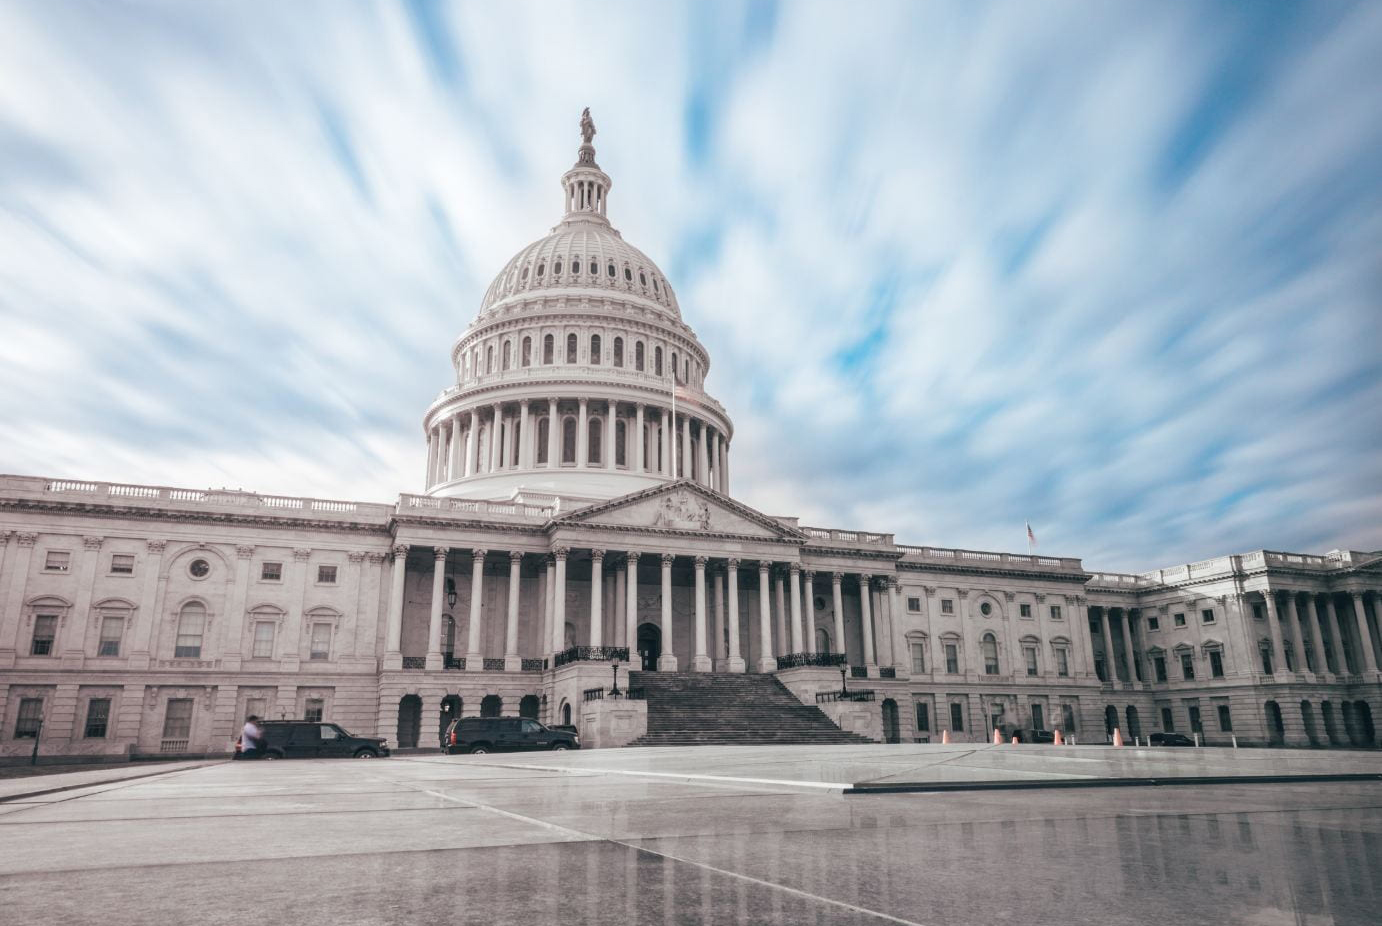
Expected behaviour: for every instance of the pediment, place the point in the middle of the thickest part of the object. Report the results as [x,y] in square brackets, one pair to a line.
[682,507]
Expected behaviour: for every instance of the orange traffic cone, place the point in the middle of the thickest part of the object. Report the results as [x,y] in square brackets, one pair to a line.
[1057,740]
[945,737]
[1015,740]
[1117,737]
[997,737]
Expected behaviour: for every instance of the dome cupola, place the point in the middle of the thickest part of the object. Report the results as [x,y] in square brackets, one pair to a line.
[578,378]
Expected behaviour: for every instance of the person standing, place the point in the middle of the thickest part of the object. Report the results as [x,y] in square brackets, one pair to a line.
[251,739]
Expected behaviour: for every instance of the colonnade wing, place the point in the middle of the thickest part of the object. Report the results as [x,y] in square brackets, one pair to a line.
[682,507]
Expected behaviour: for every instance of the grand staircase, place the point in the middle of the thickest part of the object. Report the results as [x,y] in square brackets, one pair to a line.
[722,708]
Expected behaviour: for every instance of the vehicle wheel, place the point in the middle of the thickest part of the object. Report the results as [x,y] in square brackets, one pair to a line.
[479,750]
[366,754]
[558,747]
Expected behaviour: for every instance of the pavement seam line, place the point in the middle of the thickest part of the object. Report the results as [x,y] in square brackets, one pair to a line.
[682,776]
[592,837]
[114,786]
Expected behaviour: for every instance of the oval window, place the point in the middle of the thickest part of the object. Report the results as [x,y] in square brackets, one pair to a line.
[643,279]
[524,274]
[199,568]
[575,265]
[541,268]
[593,268]
[986,609]
[657,289]
[611,270]
[628,274]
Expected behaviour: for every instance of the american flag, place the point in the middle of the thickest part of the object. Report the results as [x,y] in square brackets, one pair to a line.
[1031,538]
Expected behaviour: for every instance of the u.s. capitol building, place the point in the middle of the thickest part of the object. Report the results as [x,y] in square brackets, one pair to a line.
[578,508]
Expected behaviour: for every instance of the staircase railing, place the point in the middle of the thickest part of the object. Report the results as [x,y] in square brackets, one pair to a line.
[827,697]
[591,654]
[797,660]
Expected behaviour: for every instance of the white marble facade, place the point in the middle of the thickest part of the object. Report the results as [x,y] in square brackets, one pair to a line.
[577,499]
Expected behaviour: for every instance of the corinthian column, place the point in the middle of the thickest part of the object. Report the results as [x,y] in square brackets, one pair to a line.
[639,445]
[794,594]
[597,588]
[513,662]
[631,605]
[553,435]
[734,662]
[559,600]
[766,662]
[583,434]
[434,616]
[474,658]
[808,610]
[700,662]
[837,600]
[1274,626]
[1360,616]
[866,618]
[667,662]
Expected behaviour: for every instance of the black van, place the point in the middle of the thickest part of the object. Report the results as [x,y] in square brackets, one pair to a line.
[504,734]
[301,739]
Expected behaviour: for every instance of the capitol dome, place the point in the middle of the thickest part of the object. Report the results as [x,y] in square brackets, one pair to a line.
[565,380]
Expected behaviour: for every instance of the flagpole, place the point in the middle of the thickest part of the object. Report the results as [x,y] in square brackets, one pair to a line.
[673,467]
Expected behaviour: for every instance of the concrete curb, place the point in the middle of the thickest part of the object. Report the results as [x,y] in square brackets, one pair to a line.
[113,779]
[1068,783]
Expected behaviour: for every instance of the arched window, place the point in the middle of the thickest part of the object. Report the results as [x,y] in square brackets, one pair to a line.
[594,269]
[638,356]
[595,432]
[657,360]
[576,264]
[508,354]
[628,275]
[595,351]
[556,268]
[527,352]
[548,349]
[657,289]
[465,366]
[570,348]
[643,279]
[489,359]
[541,268]
[988,645]
[610,268]
[619,352]
[674,364]
[568,440]
[620,440]
[542,425]
[685,370]
[491,706]
[191,626]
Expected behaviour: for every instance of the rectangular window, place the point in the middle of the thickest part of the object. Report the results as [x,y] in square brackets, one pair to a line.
[1216,663]
[177,719]
[1207,616]
[1055,612]
[923,717]
[1099,668]
[1178,619]
[1038,717]
[1031,655]
[321,641]
[1024,610]
[191,625]
[1258,612]
[122,564]
[326,575]
[45,631]
[957,717]
[30,718]
[1153,623]
[947,606]
[263,640]
[1063,662]
[57,561]
[1225,719]
[312,712]
[1187,665]
[914,605]
[112,628]
[255,707]
[1067,713]
[1168,723]
[271,572]
[1159,663]
[952,659]
[1196,726]
[97,718]
[1267,660]
[918,658]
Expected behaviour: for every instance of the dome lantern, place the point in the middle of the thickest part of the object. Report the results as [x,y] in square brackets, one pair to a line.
[586,186]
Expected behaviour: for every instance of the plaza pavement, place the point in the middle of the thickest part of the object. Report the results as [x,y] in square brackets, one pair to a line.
[704,835]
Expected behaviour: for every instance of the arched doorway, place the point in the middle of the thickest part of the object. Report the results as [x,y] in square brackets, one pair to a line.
[409,721]
[1134,727]
[1331,726]
[1351,724]
[450,710]
[566,714]
[1276,729]
[528,707]
[890,731]
[1307,716]
[1366,731]
[491,706]
[823,640]
[1110,720]
[649,645]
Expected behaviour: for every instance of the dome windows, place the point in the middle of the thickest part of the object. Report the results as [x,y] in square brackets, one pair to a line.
[628,275]
[594,268]
[524,274]
[643,279]
[595,351]
[618,352]
[576,265]
[570,348]
[638,356]
[657,360]
[527,352]
[548,349]
[541,269]
[508,354]
[611,270]
[556,268]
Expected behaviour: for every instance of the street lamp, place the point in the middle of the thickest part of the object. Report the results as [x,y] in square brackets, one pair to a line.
[614,664]
[844,689]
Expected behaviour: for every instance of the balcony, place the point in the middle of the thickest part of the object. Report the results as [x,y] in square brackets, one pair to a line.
[591,654]
[797,660]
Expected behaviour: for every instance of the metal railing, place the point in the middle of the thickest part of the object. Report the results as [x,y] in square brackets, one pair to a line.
[534,665]
[827,697]
[797,660]
[591,654]
[858,671]
[176,746]
[414,662]
[627,694]
[887,672]
[493,664]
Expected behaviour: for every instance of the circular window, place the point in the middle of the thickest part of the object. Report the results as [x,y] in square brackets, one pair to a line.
[986,609]
[199,568]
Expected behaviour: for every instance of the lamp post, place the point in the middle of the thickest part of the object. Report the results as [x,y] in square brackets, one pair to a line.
[844,669]
[614,664]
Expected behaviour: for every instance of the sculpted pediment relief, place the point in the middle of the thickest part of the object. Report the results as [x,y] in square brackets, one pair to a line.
[681,508]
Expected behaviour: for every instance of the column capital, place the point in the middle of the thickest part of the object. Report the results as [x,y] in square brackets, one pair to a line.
[93,543]
[302,554]
[515,556]
[794,568]
[377,558]
[763,568]
[732,563]
[583,401]
[560,553]
[809,574]
[667,558]
[246,550]
[27,539]
[153,546]
[1009,596]
[597,553]
[962,592]
[701,561]
[836,578]
[439,554]
[399,551]
[478,554]
[631,558]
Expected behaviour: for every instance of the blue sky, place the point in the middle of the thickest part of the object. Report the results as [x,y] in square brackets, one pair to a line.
[1113,267]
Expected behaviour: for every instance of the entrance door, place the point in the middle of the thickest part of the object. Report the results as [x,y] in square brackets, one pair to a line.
[649,645]
[890,732]
[409,720]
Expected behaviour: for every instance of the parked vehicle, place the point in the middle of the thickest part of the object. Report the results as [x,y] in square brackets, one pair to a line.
[1028,735]
[504,734]
[302,739]
[1170,739]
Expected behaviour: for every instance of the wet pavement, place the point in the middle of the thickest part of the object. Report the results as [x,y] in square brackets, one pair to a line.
[686,836]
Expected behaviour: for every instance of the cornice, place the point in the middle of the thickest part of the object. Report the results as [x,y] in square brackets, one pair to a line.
[555,526]
[853,553]
[183,515]
[1072,577]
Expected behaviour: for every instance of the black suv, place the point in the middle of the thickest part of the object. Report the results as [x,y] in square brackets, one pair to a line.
[504,734]
[301,739]
[1170,739]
